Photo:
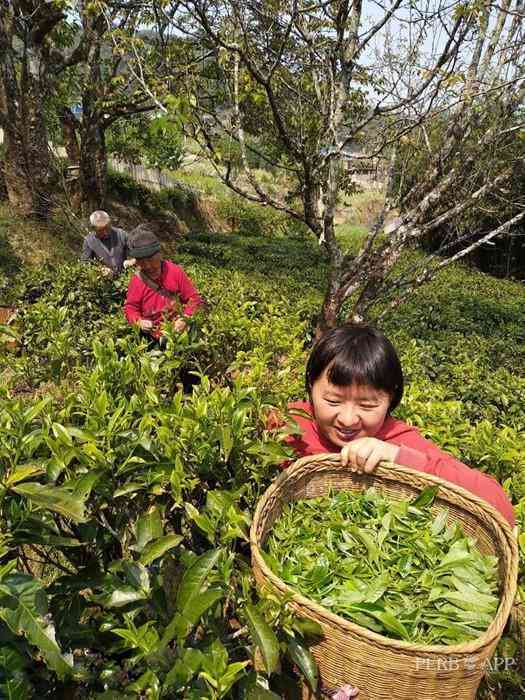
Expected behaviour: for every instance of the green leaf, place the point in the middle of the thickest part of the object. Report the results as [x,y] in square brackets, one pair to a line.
[178,627]
[264,638]
[184,669]
[137,575]
[457,555]
[202,521]
[426,497]
[154,550]
[148,527]
[308,628]
[226,441]
[194,579]
[81,435]
[389,621]
[201,603]
[6,568]
[147,681]
[476,602]
[232,674]
[215,660]
[130,487]
[440,522]
[521,540]
[84,485]
[23,472]
[363,536]
[305,662]
[124,596]
[257,692]
[26,616]
[61,433]
[33,412]
[54,498]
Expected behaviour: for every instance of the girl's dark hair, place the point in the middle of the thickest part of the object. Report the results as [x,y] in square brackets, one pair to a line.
[357,354]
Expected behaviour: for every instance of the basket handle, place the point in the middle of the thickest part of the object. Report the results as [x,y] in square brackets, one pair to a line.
[383,468]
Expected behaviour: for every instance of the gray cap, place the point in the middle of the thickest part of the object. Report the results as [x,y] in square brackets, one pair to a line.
[143,243]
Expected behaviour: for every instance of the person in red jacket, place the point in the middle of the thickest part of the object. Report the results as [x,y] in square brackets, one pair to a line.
[354,380]
[160,290]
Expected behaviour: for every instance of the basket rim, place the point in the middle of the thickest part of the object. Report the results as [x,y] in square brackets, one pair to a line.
[389,471]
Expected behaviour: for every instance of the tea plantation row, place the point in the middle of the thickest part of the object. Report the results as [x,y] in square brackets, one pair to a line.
[126,503]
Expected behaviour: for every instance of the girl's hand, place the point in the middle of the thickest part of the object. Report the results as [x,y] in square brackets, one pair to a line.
[364,454]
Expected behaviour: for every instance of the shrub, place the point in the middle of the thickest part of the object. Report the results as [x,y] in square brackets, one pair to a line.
[118,489]
[254,219]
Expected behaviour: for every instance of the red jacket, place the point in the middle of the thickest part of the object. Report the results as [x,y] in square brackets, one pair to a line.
[415,452]
[144,302]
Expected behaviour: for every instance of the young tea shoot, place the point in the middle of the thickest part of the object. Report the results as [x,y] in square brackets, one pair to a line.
[395,567]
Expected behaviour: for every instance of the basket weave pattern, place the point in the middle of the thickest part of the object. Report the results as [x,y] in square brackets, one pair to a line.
[382,668]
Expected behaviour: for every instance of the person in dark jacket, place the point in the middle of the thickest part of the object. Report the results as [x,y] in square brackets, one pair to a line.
[106,244]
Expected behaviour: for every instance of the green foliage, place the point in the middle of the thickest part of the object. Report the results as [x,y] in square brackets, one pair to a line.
[252,219]
[394,567]
[264,638]
[126,189]
[125,503]
[156,142]
[104,490]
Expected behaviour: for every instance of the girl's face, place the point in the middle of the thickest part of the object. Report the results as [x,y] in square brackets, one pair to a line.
[344,413]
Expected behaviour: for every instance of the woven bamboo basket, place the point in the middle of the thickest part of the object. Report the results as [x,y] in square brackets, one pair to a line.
[382,668]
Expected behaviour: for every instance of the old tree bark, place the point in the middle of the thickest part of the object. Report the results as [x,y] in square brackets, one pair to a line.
[41,68]
[24,27]
[316,89]
[108,92]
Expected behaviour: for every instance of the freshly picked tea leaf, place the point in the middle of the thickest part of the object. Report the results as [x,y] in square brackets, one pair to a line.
[394,567]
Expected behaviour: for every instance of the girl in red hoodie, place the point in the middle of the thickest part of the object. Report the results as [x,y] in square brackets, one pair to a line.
[354,380]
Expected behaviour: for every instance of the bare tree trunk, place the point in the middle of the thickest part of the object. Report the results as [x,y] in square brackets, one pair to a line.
[17,182]
[27,161]
[93,165]
[27,166]
[330,308]
[332,300]
[36,137]
[69,132]
[70,127]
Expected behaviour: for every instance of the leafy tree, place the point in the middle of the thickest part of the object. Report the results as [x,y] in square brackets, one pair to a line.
[56,56]
[30,65]
[106,89]
[157,142]
[329,85]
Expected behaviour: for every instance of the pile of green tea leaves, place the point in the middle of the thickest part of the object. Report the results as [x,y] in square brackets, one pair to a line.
[393,567]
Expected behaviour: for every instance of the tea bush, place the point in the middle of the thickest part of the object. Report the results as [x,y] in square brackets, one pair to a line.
[245,217]
[125,503]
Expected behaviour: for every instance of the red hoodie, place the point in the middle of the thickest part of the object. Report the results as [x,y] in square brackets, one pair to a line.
[144,302]
[415,452]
